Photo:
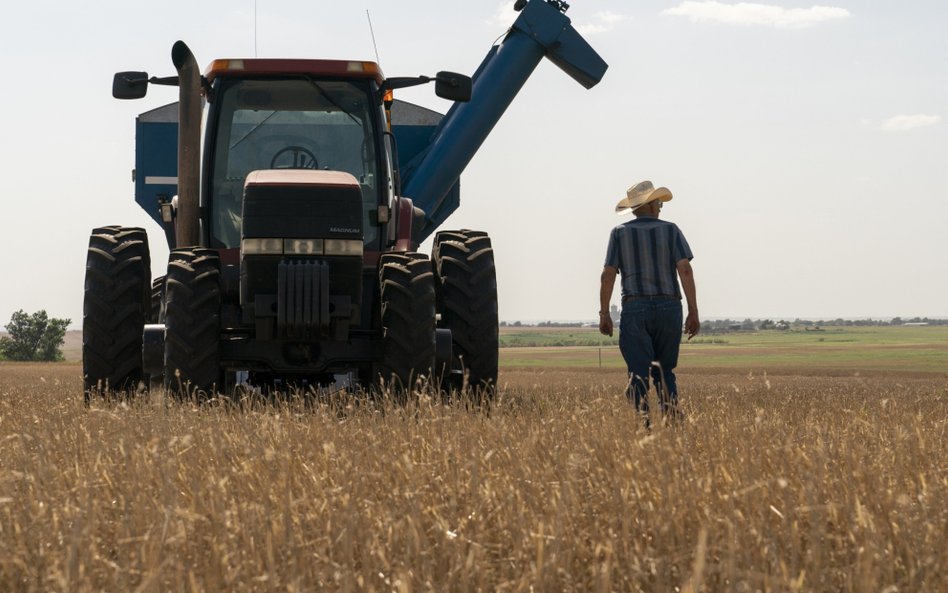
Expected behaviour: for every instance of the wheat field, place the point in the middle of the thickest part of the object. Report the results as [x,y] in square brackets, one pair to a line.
[772,483]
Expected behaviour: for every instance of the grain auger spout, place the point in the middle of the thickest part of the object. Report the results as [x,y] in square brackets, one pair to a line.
[542,29]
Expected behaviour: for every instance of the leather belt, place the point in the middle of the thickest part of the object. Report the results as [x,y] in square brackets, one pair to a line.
[648,297]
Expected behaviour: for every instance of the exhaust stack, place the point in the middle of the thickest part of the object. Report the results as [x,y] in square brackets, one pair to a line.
[187,227]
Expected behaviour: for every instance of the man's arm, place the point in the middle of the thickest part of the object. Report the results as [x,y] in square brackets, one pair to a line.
[687,275]
[607,282]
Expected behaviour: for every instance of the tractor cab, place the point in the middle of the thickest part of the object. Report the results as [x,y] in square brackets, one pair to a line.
[317,115]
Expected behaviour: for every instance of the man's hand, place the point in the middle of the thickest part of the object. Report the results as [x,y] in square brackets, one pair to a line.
[607,281]
[687,276]
[692,324]
[605,325]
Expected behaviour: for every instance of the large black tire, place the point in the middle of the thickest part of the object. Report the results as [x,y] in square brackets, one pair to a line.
[158,293]
[157,299]
[466,286]
[192,324]
[407,297]
[114,310]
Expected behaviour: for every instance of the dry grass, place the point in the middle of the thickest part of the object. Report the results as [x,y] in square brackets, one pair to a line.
[779,484]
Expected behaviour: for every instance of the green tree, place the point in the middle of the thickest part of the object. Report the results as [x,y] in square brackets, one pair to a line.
[33,337]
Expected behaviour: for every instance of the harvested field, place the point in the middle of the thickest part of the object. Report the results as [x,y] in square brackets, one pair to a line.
[782,483]
[846,351]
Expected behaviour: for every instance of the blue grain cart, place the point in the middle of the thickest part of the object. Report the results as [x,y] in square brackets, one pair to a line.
[294,195]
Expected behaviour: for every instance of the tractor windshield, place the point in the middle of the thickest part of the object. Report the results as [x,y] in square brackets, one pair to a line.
[297,123]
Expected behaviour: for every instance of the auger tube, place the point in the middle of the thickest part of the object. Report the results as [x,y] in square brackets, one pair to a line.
[541,30]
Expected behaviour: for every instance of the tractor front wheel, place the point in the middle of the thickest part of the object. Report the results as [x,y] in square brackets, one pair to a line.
[192,324]
[407,297]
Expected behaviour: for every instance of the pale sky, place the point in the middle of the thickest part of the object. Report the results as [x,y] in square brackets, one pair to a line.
[805,145]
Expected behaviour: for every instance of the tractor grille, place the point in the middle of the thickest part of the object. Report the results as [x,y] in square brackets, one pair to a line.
[302,299]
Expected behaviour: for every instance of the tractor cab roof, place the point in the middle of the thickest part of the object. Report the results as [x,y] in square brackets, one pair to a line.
[247,68]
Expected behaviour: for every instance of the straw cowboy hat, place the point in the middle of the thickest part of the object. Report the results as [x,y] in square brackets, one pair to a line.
[641,194]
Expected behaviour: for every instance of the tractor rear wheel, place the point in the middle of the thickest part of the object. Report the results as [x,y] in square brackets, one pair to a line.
[407,297]
[466,285]
[115,307]
[192,324]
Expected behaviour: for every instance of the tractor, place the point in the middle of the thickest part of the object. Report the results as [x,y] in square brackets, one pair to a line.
[294,195]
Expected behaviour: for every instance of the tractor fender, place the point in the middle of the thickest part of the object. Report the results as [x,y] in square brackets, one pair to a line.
[407,225]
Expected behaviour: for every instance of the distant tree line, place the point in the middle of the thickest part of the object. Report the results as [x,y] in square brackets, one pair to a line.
[545,324]
[724,325]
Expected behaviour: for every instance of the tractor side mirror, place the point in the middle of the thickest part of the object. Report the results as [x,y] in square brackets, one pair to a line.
[453,86]
[130,85]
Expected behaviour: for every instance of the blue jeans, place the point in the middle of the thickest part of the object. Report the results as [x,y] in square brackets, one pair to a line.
[649,339]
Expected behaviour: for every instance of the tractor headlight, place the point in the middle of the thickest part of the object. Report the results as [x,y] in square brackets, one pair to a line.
[262,246]
[303,246]
[344,247]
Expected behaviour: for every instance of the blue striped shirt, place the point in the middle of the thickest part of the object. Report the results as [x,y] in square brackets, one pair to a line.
[647,250]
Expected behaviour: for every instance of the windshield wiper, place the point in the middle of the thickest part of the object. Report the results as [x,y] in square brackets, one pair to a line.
[253,129]
[331,100]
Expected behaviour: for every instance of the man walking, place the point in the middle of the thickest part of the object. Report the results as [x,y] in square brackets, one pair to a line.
[652,255]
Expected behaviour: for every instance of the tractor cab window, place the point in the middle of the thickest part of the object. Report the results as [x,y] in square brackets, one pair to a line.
[298,123]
